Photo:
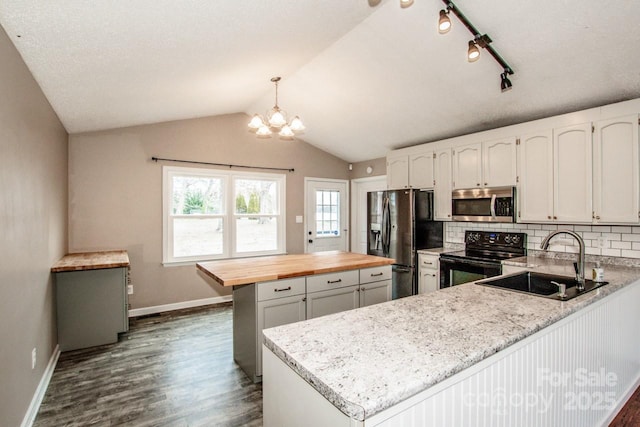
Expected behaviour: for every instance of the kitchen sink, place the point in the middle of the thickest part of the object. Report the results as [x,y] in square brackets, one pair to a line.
[539,284]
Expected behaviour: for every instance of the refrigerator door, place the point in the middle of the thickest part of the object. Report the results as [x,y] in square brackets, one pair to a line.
[403,281]
[375,201]
[400,239]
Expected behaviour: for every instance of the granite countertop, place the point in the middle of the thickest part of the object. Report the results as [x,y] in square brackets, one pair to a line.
[437,251]
[366,360]
[242,271]
[91,261]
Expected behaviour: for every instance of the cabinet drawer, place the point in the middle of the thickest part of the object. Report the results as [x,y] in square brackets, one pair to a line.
[339,279]
[428,261]
[375,274]
[281,288]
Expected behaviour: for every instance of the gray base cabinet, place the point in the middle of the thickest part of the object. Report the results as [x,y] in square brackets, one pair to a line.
[263,305]
[92,307]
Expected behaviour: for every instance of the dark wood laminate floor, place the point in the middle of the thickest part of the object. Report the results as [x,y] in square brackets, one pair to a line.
[175,369]
[629,415]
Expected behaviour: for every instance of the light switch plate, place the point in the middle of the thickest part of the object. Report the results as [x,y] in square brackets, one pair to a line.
[298,219]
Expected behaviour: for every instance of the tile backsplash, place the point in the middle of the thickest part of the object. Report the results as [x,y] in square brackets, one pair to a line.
[605,240]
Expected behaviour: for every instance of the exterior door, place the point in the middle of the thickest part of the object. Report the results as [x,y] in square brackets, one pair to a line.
[326,214]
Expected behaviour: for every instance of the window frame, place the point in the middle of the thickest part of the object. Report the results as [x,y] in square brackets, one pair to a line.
[228,216]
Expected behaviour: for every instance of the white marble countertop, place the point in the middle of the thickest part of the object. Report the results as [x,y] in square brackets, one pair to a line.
[369,359]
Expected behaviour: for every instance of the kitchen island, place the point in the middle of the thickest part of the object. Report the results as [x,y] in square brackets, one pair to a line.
[276,290]
[466,355]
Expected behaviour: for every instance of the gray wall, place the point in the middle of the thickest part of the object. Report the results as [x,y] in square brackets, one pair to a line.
[33,226]
[378,166]
[115,193]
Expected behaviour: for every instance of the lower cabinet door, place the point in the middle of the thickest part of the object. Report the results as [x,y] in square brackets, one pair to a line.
[274,313]
[375,293]
[429,281]
[332,301]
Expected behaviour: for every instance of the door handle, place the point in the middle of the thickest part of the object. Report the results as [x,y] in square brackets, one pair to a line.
[310,241]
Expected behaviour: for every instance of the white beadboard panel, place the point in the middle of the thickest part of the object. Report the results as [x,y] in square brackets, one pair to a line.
[578,372]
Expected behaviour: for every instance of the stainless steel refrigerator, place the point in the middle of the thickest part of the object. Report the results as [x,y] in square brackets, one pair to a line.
[399,223]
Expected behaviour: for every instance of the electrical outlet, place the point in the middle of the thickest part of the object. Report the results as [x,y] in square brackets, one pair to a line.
[34,354]
[130,289]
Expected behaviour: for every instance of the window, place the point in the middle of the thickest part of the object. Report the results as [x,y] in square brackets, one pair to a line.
[327,213]
[213,214]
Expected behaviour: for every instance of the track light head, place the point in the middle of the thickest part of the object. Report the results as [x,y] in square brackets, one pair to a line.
[444,23]
[505,83]
[473,54]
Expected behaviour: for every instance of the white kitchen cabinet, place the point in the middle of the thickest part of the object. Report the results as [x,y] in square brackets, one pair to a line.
[467,166]
[410,171]
[429,273]
[499,162]
[397,172]
[374,293]
[555,173]
[486,164]
[332,301]
[535,177]
[421,170]
[276,312]
[615,171]
[572,174]
[442,187]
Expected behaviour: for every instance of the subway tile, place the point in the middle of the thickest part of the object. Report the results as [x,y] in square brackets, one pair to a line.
[631,254]
[533,226]
[635,246]
[621,245]
[631,237]
[591,235]
[593,251]
[549,227]
[601,229]
[610,252]
[611,236]
[582,228]
[620,229]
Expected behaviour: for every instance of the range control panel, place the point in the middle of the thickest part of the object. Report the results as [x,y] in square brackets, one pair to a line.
[494,239]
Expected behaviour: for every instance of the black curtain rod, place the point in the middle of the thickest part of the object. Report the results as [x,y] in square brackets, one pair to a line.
[156,159]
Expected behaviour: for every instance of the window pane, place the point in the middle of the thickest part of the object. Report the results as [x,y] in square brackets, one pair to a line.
[256,234]
[197,236]
[197,195]
[256,196]
[327,213]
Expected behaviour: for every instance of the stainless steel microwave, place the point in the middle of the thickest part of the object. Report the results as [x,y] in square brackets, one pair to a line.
[484,204]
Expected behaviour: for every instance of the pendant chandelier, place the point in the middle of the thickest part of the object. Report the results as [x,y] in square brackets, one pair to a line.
[276,121]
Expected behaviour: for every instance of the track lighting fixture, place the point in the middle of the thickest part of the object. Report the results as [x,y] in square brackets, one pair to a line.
[473,54]
[505,83]
[479,41]
[444,23]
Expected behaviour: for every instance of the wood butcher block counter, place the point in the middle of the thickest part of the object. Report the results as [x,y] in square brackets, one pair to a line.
[91,261]
[91,295]
[242,271]
[281,289]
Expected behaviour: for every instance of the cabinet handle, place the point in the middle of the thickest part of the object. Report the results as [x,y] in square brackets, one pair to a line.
[282,290]
[597,217]
[434,275]
[304,299]
[478,184]
[376,274]
[334,281]
[485,184]
[427,263]
[555,217]
[548,216]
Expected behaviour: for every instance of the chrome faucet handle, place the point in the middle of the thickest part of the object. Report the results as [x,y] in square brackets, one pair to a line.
[562,288]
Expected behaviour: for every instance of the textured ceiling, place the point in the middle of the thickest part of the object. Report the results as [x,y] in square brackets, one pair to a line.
[365,77]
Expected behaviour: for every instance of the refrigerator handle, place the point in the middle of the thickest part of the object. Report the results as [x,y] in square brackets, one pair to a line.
[386,226]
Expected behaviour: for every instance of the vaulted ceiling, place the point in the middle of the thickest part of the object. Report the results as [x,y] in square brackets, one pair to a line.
[366,76]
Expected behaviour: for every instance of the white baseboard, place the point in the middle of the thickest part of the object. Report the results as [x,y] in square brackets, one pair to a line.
[179,305]
[30,416]
[622,402]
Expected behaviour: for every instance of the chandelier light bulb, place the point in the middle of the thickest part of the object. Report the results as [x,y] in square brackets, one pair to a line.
[276,118]
[264,132]
[296,125]
[405,3]
[256,122]
[286,132]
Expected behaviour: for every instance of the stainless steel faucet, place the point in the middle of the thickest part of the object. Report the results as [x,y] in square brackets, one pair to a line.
[580,266]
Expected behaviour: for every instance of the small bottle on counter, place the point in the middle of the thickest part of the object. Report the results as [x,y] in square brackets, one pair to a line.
[598,273]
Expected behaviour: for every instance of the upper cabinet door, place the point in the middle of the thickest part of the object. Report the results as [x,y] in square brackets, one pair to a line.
[499,162]
[397,172]
[421,170]
[573,174]
[442,189]
[467,166]
[535,177]
[615,171]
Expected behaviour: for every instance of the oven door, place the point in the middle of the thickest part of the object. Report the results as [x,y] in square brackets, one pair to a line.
[455,271]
